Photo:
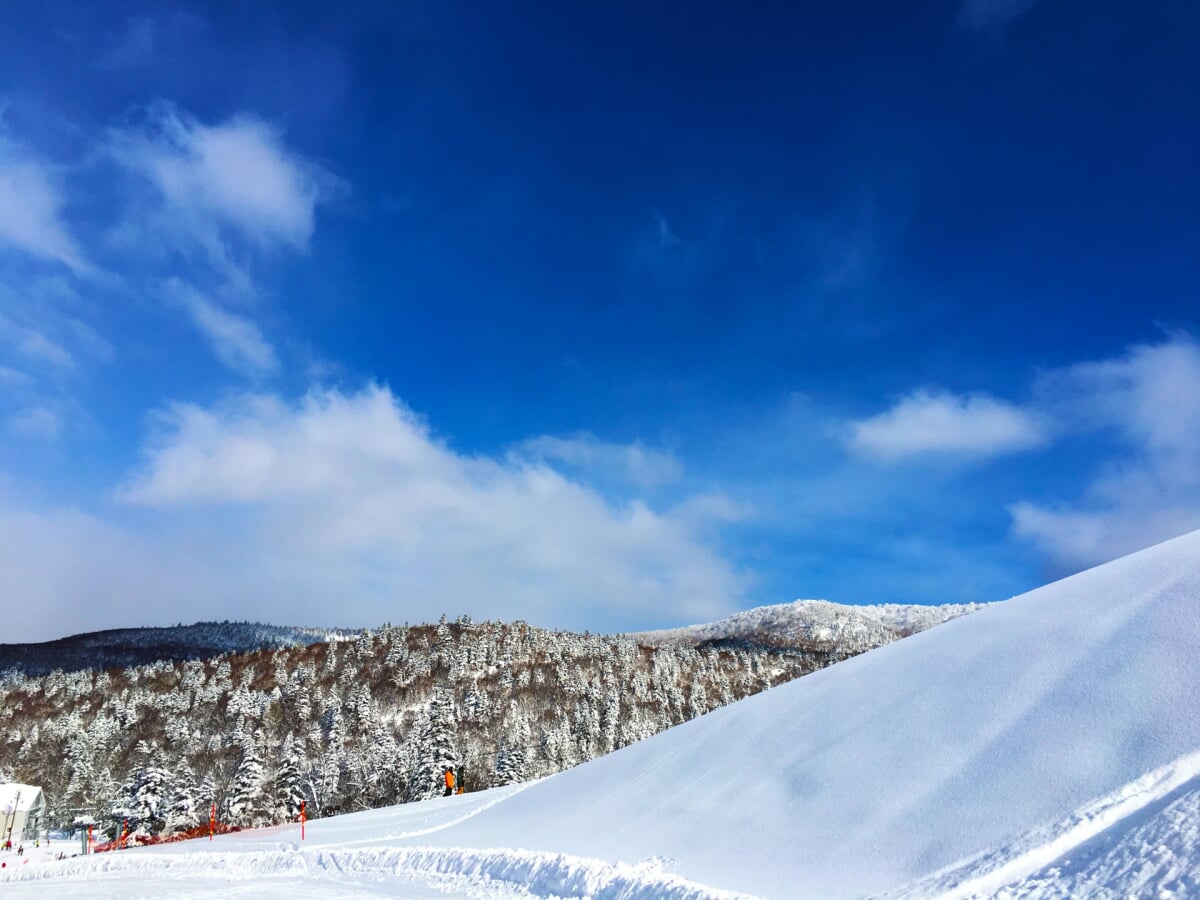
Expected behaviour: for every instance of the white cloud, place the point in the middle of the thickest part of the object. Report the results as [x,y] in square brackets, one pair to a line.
[1149,399]
[630,463]
[345,508]
[992,14]
[236,340]
[1149,394]
[942,424]
[1078,539]
[14,378]
[36,422]
[238,174]
[31,203]
[33,346]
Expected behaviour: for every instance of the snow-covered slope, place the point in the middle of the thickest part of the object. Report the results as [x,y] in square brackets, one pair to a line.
[900,762]
[1046,746]
[856,628]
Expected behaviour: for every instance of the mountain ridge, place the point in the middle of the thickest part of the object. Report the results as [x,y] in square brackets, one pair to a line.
[118,648]
[857,628]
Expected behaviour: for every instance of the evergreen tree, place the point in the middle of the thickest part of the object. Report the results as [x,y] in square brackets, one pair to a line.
[437,749]
[184,807]
[286,783]
[150,799]
[244,806]
[511,766]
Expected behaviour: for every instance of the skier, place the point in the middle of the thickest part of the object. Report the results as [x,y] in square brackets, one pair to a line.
[449,776]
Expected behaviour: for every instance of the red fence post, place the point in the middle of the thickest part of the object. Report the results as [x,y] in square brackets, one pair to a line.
[303,819]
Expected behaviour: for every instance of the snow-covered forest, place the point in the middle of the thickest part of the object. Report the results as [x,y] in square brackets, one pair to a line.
[358,724]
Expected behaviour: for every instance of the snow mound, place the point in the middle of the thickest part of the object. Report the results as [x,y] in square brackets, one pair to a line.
[474,873]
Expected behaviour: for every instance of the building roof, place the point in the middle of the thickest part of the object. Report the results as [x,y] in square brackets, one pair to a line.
[20,797]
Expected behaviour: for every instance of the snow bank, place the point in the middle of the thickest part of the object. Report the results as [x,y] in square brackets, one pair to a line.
[495,872]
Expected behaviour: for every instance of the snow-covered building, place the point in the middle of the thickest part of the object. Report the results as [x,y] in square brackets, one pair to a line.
[22,812]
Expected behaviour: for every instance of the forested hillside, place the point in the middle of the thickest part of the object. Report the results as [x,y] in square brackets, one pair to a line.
[358,724]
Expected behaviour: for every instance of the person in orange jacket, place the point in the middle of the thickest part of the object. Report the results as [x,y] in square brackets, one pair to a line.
[449,776]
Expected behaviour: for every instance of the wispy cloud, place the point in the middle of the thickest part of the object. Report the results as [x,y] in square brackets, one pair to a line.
[37,347]
[11,378]
[934,424]
[992,14]
[34,347]
[238,174]
[235,340]
[1149,399]
[132,46]
[666,234]
[215,199]
[629,463]
[36,422]
[141,41]
[31,203]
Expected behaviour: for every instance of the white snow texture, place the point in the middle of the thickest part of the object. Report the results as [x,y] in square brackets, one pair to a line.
[1048,746]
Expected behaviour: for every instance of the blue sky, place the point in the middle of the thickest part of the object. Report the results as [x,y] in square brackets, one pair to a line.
[604,318]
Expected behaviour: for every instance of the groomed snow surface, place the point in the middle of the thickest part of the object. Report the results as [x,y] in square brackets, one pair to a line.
[1048,746]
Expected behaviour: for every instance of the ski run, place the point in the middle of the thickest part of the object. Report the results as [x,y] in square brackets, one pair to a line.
[1047,746]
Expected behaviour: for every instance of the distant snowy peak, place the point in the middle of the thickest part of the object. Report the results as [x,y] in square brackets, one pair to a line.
[816,621]
[909,618]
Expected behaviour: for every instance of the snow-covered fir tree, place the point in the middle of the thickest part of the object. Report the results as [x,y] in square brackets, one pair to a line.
[246,801]
[286,791]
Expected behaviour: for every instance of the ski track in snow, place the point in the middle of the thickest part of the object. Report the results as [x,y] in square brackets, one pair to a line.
[364,871]
[1139,841]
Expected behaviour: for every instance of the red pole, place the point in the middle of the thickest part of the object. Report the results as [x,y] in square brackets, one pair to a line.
[212,820]
[89,839]
[125,835]
[303,819]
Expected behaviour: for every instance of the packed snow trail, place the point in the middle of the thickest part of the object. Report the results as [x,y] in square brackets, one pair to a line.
[353,855]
